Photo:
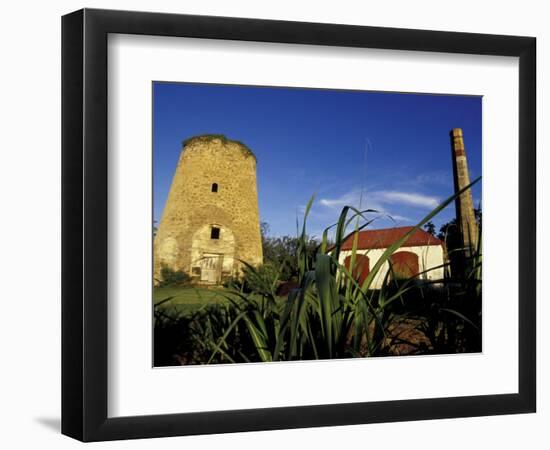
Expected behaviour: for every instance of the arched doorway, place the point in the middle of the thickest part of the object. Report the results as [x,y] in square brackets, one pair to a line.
[361,267]
[404,265]
[212,253]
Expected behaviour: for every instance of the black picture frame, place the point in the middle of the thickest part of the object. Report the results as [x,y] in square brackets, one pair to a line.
[84,224]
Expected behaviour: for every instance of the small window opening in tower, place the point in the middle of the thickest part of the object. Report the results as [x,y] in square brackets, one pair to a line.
[214,233]
[214,187]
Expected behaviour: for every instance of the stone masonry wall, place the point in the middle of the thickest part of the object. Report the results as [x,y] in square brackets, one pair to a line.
[464,203]
[192,209]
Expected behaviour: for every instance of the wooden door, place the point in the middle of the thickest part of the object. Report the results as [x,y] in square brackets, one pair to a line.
[211,268]
[404,265]
[361,267]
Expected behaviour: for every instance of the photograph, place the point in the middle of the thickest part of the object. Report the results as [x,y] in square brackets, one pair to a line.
[293,223]
[272,225]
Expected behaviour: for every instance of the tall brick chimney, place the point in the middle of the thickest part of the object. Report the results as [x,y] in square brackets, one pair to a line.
[464,205]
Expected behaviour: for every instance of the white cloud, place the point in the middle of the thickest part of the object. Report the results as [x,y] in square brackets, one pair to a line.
[383,202]
[399,218]
[350,198]
[407,198]
[437,177]
[380,200]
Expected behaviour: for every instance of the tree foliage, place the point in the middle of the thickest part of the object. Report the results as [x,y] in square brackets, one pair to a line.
[281,252]
[450,233]
[430,228]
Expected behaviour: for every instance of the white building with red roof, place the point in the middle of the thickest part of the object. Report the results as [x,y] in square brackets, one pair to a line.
[422,255]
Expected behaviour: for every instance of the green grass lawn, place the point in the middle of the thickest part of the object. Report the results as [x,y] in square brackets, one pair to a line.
[188,299]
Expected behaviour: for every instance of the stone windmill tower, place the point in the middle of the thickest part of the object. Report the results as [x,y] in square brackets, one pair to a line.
[211,219]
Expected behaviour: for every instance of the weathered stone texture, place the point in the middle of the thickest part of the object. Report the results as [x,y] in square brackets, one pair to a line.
[184,237]
[464,203]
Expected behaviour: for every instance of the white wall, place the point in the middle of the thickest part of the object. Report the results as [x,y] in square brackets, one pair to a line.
[429,257]
[30,177]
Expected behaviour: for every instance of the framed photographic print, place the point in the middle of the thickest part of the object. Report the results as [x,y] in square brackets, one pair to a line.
[273,224]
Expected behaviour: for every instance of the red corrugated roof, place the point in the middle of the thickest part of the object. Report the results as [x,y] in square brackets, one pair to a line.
[385,237]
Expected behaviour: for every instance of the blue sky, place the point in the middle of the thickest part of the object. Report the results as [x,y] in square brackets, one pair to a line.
[386,151]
